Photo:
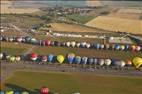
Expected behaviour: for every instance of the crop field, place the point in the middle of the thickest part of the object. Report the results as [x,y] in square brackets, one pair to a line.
[68,83]
[117,24]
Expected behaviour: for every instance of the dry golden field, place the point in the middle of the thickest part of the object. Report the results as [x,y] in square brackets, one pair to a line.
[117,24]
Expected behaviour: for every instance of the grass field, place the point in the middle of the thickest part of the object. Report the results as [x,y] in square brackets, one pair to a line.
[116,24]
[67,83]
[80,18]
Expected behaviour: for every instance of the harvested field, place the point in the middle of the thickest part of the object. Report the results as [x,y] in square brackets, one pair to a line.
[64,27]
[117,24]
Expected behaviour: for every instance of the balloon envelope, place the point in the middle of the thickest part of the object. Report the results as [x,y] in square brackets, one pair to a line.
[33,56]
[17,58]
[137,61]
[12,58]
[84,60]
[90,60]
[71,57]
[1,55]
[44,59]
[101,62]
[60,58]
[77,59]
[50,57]
[107,62]
[44,90]
[73,43]
[25,92]
[9,92]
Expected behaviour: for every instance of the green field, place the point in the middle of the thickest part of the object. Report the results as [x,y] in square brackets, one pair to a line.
[67,83]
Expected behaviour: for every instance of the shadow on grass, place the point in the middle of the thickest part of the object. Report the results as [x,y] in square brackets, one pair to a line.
[21,89]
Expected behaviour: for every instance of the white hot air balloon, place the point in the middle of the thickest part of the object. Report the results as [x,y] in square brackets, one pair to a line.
[1,55]
[120,63]
[138,48]
[68,44]
[73,43]
[101,62]
[107,62]
[88,45]
[77,44]
[17,58]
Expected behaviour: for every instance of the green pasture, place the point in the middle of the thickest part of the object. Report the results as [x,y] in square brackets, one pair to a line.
[67,83]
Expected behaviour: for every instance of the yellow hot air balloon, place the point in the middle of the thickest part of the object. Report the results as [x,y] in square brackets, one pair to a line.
[12,58]
[60,58]
[9,92]
[137,61]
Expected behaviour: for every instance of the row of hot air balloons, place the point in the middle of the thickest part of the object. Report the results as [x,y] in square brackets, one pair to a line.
[118,47]
[43,90]
[71,58]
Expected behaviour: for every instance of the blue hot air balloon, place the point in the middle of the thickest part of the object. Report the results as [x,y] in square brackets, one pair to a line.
[127,47]
[84,60]
[117,47]
[95,60]
[70,57]
[50,57]
[77,59]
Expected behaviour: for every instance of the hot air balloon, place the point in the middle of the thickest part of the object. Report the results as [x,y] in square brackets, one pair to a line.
[95,61]
[12,58]
[52,43]
[137,61]
[70,57]
[84,60]
[107,62]
[1,38]
[11,39]
[19,39]
[128,63]
[117,47]
[25,92]
[138,48]
[9,92]
[90,60]
[44,90]
[8,57]
[33,56]
[1,92]
[17,58]
[78,45]
[120,63]
[63,44]
[127,47]
[33,41]
[101,62]
[122,47]
[1,56]
[107,46]
[47,42]
[102,46]
[60,58]
[68,44]
[44,58]
[50,57]
[133,47]
[97,46]
[88,45]
[77,59]
[73,43]
[83,44]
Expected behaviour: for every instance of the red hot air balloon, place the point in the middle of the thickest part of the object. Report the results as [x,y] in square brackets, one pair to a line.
[47,42]
[44,90]
[33,56]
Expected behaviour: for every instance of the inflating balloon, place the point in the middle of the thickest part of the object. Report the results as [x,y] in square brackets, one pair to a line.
[25,92]
[133,47]
[128,63]
[60,58]
[88,45]
[19,39]
[90,60]
[137,61]
[12,58]
[71,57]
[50,57]
[78,45]
[101,62]
[122,47]
[68,44]
[73,43]
[17,58]
[120,63]
[138,48]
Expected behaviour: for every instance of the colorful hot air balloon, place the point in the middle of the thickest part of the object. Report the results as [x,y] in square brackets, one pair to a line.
[122,47]
[133,47]
[117,47]
[44,58]
[70,57]
[138,48]
[127,47]
[44,90]
[128,62]
[137,61]
[77,59]
[60,58]
[33,56]
[107,62]
[84,60]
[50,57]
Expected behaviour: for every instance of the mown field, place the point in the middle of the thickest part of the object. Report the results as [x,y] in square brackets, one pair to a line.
[67,83]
